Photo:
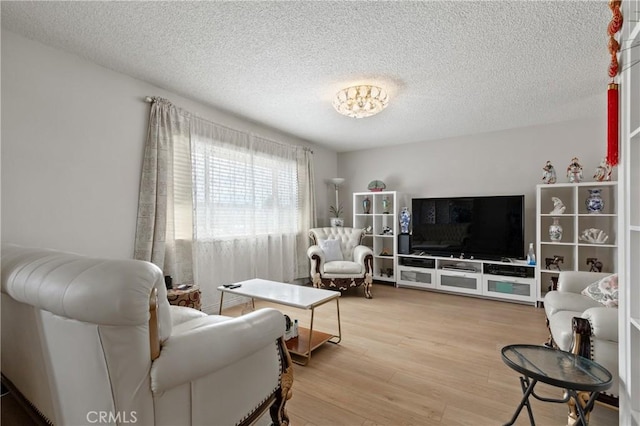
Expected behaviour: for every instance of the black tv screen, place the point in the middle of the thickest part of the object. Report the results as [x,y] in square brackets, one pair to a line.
[490,227]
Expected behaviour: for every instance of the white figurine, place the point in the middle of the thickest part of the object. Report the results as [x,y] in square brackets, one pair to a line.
[549,175]
[603,171]
[574,171]
[594,236]
[558,206]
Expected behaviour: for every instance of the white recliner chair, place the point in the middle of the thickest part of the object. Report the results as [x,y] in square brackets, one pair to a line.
[338,259]
[583,326]
[88,340]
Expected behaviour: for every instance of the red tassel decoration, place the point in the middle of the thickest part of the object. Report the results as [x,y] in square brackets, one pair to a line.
[612,93]
[612,124]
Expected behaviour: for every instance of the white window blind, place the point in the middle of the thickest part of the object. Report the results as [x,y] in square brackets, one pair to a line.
[241,192]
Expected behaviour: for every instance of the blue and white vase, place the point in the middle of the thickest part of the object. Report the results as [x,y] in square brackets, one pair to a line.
[555,230]
[594,202]
[405,220]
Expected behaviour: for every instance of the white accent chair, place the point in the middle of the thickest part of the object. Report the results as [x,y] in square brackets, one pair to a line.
[88,340]
[354,267]
[583,326]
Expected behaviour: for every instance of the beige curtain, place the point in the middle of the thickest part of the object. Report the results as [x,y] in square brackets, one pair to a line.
[164,224]
[307,210]
[253,207]
[184,225]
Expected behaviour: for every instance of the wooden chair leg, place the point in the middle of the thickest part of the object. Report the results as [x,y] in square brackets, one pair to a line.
[279,416]
[573,419]
[549,343]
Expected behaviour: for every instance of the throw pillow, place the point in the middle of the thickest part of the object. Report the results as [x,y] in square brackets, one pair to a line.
[604,291]
[331,249]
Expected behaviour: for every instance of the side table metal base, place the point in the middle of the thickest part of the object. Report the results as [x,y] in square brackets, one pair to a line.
[528,390]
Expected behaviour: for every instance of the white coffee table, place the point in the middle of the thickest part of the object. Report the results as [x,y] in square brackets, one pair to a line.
[297,297]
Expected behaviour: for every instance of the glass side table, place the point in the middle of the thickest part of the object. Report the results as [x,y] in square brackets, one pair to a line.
[556,368]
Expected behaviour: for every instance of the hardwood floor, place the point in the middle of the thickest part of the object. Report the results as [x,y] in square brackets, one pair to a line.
[412,357]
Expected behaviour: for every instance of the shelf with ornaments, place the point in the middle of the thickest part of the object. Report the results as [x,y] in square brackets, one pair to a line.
[376,213]
[576,226]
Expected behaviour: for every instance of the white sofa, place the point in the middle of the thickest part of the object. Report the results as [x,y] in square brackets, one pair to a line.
[581,325]
[87,340]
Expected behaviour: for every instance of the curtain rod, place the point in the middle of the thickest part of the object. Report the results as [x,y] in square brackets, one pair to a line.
[151,100]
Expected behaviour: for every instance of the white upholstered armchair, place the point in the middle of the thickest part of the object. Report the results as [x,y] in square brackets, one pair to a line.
[579,324]
[88,340]
[338,259]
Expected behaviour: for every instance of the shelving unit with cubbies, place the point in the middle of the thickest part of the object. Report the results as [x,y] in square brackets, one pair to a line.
[381,225]
[571,252]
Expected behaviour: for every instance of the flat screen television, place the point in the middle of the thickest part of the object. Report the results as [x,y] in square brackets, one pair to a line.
[488,227]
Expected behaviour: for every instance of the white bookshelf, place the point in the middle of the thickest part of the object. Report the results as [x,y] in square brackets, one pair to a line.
[379,218]
[575,219]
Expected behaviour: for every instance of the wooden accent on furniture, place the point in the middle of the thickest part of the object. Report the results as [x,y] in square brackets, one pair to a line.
[581,337]
[189,297]
[581,345]
[278,413]
[276,402]
[344,284]
[154,336]
[298,345]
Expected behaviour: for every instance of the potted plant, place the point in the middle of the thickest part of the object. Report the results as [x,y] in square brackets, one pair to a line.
[336,212]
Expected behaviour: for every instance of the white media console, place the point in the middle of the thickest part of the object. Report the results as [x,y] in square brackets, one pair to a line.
[513,281]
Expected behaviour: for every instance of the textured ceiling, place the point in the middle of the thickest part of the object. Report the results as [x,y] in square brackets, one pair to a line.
[451,68]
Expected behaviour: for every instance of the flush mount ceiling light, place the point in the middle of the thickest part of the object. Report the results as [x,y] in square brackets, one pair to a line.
[361,101]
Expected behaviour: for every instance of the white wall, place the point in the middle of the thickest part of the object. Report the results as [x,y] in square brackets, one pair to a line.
[73,138]
[499,163]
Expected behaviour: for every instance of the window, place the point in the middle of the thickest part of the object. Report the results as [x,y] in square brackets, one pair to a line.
[243,193]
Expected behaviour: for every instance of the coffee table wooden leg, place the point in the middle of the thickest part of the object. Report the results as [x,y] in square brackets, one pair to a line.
[220,307]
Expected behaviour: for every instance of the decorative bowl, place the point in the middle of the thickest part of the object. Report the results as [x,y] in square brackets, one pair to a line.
[376,186]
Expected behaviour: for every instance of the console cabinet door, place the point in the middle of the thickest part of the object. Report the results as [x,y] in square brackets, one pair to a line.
[460,282]
[416,277]
[509,287]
